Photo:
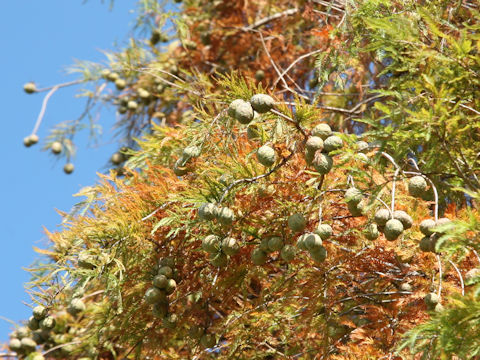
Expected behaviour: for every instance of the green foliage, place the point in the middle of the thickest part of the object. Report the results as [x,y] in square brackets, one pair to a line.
[261,274]
[429,97]
[449,332]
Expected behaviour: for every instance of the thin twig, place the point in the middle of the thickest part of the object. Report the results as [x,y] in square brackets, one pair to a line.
[58,86]
[390,158]
[341,21]
[169,74]
[210,128]
[397,170]
[273,349]
[320,210]
[394,182]
[293,64]
[350,180]
[275,66]
[51,91]
[147,71]
[440,275]
[459,276]
[7,355]
[434,188]
[326,14]
[44,108]
[61,346]
[93,294]
[328,5]
[289,119]
[355,110]
[374,294]
[163,206]
[476,254]
[435,194]
[255,178]
[271,60]
[464,106]
[384,204]
[266,20]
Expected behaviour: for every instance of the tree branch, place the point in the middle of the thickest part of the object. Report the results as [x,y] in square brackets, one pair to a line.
[459,276]
[266,20]
[255,178]
[293,64]
[58,86]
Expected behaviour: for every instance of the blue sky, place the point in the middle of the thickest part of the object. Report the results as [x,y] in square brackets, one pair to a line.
[39,39]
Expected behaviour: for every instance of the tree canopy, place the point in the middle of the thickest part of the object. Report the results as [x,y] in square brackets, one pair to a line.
[295,180]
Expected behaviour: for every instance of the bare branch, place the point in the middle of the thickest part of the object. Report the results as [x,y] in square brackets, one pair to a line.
[58,86]
[459,275]
[394,182]
[289,119]
[44,108]
[275,66]
[293,64]
[434,188]
[266,20]
[328,5]
[440,275]
[255,178]
[61,346]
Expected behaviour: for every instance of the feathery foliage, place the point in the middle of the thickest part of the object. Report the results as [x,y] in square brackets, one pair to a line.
[296,231]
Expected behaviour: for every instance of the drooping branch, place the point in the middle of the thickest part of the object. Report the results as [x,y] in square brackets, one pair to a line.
[440,275]
[459,276]
[434,188]
[394,183]
[52,89]
[43,109]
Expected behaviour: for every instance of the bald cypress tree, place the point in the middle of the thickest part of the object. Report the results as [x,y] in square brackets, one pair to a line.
[294,180]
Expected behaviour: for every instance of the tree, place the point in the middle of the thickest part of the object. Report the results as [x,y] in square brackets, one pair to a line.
[305,185]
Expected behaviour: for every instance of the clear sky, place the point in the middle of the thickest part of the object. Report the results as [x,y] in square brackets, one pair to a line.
[39,39]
